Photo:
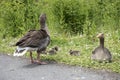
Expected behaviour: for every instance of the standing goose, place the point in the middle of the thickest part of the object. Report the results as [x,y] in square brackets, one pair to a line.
[101,53]
[34,40]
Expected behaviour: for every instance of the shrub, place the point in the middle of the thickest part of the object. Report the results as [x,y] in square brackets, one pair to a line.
[70,15]
[19,16]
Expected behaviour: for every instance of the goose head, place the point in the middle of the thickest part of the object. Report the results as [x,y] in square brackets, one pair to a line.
[100,35]
[101,38]
[42,18]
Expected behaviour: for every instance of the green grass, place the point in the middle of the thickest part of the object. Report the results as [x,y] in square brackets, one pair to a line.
[83,43]
[78,42]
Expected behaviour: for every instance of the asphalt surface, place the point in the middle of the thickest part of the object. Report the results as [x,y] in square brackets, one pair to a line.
[15,68]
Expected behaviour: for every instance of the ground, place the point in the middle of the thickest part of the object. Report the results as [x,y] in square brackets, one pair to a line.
[16,68]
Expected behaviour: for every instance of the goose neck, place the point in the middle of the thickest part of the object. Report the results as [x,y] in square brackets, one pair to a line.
[102,42]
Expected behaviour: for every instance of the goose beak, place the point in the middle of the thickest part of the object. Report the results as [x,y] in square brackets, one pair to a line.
[100,35]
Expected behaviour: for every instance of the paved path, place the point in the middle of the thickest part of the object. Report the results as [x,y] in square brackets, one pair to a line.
[14,68]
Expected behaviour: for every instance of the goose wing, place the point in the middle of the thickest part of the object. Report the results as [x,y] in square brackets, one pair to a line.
[33,38]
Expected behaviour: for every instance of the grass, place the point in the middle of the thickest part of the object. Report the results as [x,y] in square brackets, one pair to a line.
[83,43]
[78,42]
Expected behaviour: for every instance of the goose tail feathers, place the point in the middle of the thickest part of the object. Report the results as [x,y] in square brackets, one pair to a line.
[20,51]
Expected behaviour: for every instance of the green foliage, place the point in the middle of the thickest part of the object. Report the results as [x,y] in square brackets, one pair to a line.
[86,16]
[70,15]
[19,16]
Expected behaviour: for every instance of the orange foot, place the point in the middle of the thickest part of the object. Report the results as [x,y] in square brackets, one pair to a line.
[32,61]
[40,63]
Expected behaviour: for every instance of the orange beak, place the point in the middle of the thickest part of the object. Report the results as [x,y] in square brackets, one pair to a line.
[100,35]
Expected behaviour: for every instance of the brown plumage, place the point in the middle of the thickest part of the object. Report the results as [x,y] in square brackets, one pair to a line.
[34,40]
[74,53]
[53,50]
[101,53]
[56,48]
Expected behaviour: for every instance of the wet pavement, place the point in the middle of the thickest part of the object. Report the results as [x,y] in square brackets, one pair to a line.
[15,68]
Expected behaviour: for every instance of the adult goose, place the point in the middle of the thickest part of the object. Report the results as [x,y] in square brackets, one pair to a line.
[34,40]
[101,53]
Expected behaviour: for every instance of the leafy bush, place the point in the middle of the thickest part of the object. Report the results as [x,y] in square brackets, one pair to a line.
[87,17]
[70,15]
[19,16]
[74,16]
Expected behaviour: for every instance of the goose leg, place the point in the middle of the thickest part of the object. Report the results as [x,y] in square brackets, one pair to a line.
[38,59]
[32,61]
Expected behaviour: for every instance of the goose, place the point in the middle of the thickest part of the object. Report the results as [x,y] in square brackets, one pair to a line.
[74,53]
[101,53]
[53,50]
[34,40]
